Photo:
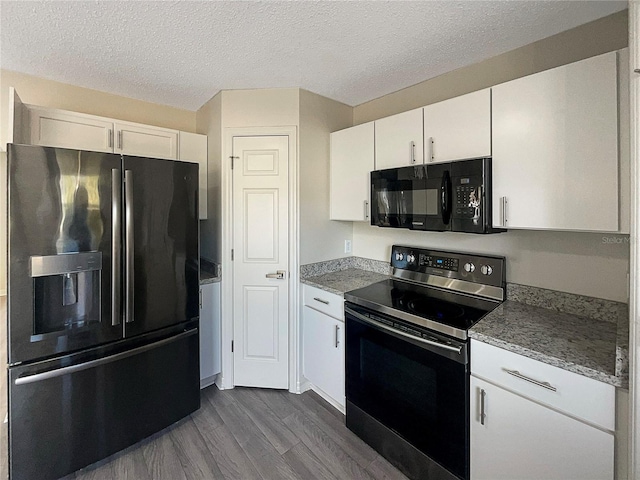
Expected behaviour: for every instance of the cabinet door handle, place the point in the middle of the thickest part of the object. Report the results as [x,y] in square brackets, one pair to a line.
[110,138]
[337,336]
[517,374]
[366,209]
[326,302]
[413,152]
[504,203]
[482,414]
[120,139]
[430,145]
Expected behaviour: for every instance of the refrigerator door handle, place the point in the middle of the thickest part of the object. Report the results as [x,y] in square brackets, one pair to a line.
[129,241]
[116,246]
[38,377]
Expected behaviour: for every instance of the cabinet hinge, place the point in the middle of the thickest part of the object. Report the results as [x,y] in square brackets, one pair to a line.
[232,158]
[231,346]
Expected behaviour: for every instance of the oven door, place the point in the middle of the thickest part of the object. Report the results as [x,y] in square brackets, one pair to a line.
[417,197]
[417,390]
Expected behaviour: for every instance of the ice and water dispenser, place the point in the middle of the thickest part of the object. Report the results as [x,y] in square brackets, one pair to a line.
[66,290]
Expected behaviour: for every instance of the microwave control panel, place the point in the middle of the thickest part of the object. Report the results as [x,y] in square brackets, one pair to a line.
[468,198]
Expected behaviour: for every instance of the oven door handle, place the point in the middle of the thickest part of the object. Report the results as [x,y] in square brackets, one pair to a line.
[382,326]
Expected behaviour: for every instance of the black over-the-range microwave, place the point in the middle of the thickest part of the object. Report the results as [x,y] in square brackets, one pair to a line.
[452,196]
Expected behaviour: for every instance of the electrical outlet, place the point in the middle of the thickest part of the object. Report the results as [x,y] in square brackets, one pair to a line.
[347,246]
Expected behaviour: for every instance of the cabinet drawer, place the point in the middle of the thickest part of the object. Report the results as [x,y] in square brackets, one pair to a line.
[323,301]
[574,394]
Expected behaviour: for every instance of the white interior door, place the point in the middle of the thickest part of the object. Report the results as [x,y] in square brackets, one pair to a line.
[260,264]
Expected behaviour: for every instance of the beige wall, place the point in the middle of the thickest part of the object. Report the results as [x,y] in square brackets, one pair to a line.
[601,36]
[271,107]
[209,122]
[583,263]
[47,93]
[320,238]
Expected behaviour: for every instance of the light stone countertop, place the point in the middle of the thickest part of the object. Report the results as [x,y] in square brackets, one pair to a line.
[594,344]
[344,280]
[578,344]
[208,277]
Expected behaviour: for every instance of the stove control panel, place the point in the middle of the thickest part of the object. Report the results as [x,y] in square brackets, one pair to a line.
[414,263]
[435,261]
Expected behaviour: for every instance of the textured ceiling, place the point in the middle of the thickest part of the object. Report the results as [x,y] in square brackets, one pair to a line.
[181,53]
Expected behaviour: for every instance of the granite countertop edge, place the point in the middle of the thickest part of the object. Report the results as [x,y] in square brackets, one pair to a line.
[206,279]
[616,381]
[343,281]
[335,291]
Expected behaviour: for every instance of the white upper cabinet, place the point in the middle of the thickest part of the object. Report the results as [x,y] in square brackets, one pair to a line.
[398,140]
[145,141]
[192,147]
[458,128]
[352,160]
[60,128]
[555,148]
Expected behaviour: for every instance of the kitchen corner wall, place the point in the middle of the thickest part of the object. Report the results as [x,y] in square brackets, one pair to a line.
[47,93]
[271,107]
[320,238]
[583,263]
[315,117]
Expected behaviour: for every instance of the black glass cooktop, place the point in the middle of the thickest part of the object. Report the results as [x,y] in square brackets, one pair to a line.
[414,302]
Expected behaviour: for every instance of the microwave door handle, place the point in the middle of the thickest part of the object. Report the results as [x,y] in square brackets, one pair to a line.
[445,195]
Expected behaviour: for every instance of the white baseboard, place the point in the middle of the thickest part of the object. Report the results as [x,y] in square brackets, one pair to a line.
[206,382]
[330,400]
[304,386]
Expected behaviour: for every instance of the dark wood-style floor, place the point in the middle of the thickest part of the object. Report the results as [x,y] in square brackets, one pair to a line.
[247,434]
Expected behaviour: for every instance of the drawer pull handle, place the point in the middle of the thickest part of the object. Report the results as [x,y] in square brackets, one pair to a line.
[321,300]
[482,414]
[517,374]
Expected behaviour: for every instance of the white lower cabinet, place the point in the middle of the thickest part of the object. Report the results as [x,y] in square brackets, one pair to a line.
[323,353]
[518,436]
[210,341]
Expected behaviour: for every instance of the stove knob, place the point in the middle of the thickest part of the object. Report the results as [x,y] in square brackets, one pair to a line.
[399,257]
[486,269]
[411,258]
[469,267]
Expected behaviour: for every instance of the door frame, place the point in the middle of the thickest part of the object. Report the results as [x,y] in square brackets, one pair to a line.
[634,254]
[226,379]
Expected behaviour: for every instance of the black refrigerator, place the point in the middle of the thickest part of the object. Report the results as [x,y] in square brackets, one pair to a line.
[103,304]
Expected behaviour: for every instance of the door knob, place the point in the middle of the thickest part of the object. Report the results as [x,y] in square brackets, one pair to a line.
[279,275]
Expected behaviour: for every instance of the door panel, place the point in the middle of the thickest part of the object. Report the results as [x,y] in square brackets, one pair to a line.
[519,438]
[156,142]
[114,398]
[60,251]
[70,130]
[166,281]
[261,217]
[261,323]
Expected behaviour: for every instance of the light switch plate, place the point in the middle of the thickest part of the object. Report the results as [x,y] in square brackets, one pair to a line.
[347,246]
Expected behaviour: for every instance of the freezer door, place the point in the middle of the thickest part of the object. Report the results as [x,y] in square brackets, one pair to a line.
[161,277]
[63,263]
[67,413]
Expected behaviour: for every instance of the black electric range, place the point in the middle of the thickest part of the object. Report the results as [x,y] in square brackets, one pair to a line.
[407,357]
